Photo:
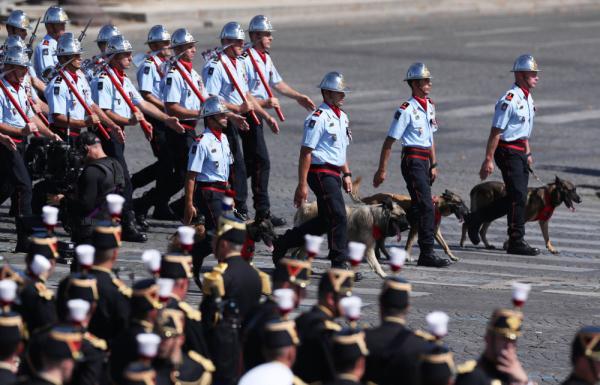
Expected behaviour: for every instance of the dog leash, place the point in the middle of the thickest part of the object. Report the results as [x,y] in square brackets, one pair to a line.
[530,169]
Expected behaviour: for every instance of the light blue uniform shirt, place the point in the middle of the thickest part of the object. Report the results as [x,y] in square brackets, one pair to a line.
[257,89]
[414,126]
[210,158]
[513,115]
[328,136]
[217,81]
[149,78]
[106,96]
[10,115]
[59,97]
[45,54]
[176,89]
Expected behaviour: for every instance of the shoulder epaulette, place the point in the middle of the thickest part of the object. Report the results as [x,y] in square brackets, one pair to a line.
[431,101]
[190,312]
[96,342]
[213,281]
[205,362]
[404,105]
[43,291]
[244,54]
[330,325]
[57,79]
[509,96]
[123,288]
[318,112]
[466,367]
[220,267]
[425,335]
[265,281]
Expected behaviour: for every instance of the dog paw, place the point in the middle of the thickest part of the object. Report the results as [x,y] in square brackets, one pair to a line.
[554,251]
[453,258]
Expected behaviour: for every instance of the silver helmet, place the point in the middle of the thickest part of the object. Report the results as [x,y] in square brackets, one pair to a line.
[260,23]
[118,44]
[417,71]
[233,31]
[14,41]
[68,44]
[214,105]
[18,19]
[334,81]
[525,63]
[16,56]
[181,36]
[55,15]
[158,33]
[106,32]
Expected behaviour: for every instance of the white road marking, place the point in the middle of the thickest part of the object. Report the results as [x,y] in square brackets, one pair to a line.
[582,24]
[383,40]
[526,266]
[497,31]
[570,292]
[569,117]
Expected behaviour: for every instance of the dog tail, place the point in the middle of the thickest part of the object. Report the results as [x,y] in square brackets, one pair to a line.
[355,188]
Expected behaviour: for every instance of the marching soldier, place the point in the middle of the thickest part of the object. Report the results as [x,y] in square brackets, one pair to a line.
[108,98]
[414,124]
[322,162]
[55,19]
[92,65]
[349,352]
[18,24]
[11,334]
[150,82]
[315,361]
[256,154]
[499,361]
[181,101]
[225,75]
[394,349]
[144,304]
[230,290]
[67,116]
[208,175]
[112,312]
[508,145]
[289,273]
[178,267]
[437,367]
[279,346]
[173,364]
[585,357]
[38,305]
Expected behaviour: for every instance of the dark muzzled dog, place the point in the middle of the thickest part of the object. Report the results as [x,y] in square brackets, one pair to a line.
[541,203]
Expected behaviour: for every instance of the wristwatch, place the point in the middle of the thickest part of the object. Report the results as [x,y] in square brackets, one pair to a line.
[347,174]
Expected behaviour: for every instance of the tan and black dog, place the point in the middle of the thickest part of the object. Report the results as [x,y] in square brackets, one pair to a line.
[445,205]
[541,202]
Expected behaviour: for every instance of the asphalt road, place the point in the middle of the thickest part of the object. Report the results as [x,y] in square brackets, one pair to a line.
[470,59]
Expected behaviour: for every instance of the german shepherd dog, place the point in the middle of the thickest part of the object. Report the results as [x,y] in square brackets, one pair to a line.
[541,202]
[445,205]
[368,224]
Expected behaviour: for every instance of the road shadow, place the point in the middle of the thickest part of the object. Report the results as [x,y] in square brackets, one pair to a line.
[570,169]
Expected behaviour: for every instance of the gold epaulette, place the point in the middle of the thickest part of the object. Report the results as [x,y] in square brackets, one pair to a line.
[96,342]
[123,288]
[43,291]
[205,362]
[330,325]
[190,312]
[265,281]
[466,367]
[213,281]
[221,267]
[425,335]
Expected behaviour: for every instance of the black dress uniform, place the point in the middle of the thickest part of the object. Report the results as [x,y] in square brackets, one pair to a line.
[112,312]
[38,305]
[124,349]
[586,345]
[348,347]
[139,373]
[178,266]
[436,367]
[314,360]
[11,325]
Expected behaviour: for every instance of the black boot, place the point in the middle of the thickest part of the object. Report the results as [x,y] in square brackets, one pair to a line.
[344,265]
[130,233]
[520,247]
[277,221]
[163,213]
[473,221]
[432,260]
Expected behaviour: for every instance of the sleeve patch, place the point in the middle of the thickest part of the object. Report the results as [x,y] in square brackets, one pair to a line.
[45,51]
[56,90]
[404,105]
[397,115]
[146,70]
[100,85]
[509,96]
[169,81]
[210,71]
[312,123]
[504,106]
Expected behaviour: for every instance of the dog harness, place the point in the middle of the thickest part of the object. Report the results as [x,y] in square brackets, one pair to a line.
[546,212]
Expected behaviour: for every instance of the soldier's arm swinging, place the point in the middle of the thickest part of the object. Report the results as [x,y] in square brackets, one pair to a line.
[386,150]
[303,166]
[432,163]
[171,121]
[104,117]
[488,163]
[150,98]
[44,130]
[285,89]
[271,121]
[176,109]
[190,210]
